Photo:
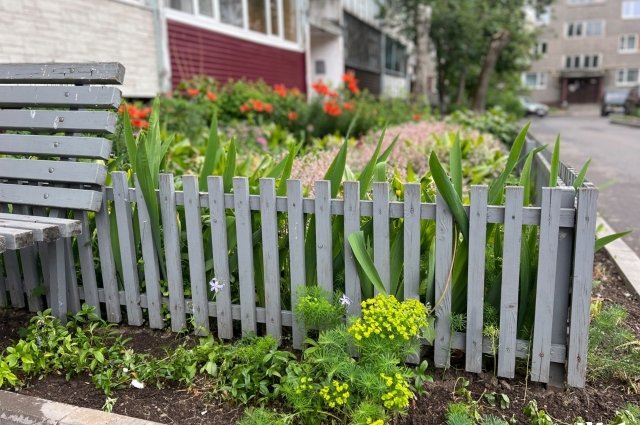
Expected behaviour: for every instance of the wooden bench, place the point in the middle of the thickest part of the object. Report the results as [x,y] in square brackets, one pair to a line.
[51,120]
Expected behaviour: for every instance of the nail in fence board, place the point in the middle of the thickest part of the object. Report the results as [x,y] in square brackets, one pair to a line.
[220,251]
[150,259]
[196,253]
[172,252]
[61,146]
[270,256]
[107,262]
[324,244]
[475,287]
[547,261]
[381,232]
[62,73]
[87,267]
[61,96]
[411,240]
[56,121]
[585,234]
[128,254]
[444,249]
[510,281]
[245,255]
[351,225]
[296,226]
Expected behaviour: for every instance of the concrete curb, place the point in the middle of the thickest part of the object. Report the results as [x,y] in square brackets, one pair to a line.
[625,258]
[25,410]
[620,121]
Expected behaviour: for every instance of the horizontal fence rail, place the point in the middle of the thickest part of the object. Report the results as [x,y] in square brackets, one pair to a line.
[175,282]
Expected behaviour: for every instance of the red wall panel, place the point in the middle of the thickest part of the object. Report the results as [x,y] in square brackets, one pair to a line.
[197,51]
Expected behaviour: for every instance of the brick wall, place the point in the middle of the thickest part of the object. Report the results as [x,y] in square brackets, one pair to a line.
[83,30]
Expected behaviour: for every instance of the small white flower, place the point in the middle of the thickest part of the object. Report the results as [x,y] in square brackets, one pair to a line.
[215,285]
[137,384]
[344,300]
[125,370]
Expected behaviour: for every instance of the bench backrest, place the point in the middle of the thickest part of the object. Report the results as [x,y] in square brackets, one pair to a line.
[59,110]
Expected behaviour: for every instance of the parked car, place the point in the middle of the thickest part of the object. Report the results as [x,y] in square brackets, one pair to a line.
[533,108]
[613,101]
[632,102]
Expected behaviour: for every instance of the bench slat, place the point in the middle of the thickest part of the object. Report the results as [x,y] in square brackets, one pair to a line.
[60,96]
[16,238]
[43,120]
[67,228]
[46,196]
[41,232]
[58,73]
[62,146]
[53,171]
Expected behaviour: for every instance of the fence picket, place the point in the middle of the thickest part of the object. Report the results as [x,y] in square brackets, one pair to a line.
[150,259]
[295,217]
[510,280]
[270,256]
[245,255]
[351,224]
[199,294]
[411,240]
[547,261]
[172,252]
[381,231]
[127,249]
[475,286]
[87,267]
[107,262]
[324,247]
[220,250]
[444,259]
[585,233]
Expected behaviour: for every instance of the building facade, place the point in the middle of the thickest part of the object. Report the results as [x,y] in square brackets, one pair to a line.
[585,48]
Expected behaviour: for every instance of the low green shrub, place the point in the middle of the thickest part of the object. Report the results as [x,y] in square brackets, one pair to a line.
[495,121]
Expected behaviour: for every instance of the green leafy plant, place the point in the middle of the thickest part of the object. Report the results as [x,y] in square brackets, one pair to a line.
[537,416]
[319,309]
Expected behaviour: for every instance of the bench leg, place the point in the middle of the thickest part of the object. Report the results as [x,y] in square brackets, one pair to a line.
[57,279]
[14,279]
[3,290]
[73,295]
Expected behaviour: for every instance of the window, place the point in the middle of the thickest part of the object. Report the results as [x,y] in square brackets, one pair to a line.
[628,43]
[627,77]
[273,17]
[535,80]
[541,48]
[631,9]
[585,29]
[544,16]
[588,61]
[395,56]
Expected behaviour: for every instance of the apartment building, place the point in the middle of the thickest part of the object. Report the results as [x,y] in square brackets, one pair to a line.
[585,47]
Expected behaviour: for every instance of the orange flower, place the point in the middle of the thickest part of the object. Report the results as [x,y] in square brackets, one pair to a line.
[256,105]
[320,88]
[292,115]
[280,90]
[416,117]
[332,109]
[268,108]
[244,108]
[295,92]
[349,79]
[332,94]
[121,108]
[348,106]
[138,123]
[212,96]
[193,92]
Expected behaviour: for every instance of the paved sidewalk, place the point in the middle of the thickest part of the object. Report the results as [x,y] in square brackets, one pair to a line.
[24,410]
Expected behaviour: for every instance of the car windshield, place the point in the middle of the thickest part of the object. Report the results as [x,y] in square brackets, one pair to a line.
[618,96]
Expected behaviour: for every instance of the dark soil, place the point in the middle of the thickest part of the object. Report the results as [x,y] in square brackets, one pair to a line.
[176,405]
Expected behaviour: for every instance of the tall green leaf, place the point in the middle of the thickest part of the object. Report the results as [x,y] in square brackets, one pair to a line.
[605,240]
[449,195]
[455,166]
[367,171]
[286,172]
[497,186]
[212,153]
[230,166]
[525,174]
[336,169]
[581,175]
[358,246]
[555,163]
[129,139]
[389,150]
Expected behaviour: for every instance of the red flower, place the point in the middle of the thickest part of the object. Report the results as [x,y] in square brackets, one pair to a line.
[193,92]
[121,108]
[212,96]
[320,88]
[349,79]
[138,123]
[256,105]
[416,117]
[280,90]
[332,94]
[292,115]
[268,108]
[348,106]
[332,109]
[244,108]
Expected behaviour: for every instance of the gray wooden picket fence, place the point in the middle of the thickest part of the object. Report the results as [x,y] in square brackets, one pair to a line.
[566,218]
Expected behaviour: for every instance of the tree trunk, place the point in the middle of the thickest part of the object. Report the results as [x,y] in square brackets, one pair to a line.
[498,42]
[423,19]
[461,87]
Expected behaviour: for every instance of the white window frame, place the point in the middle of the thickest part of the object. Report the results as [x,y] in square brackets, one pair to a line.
[625,73]
[541,80]
[273,37]
[624,48]
[584,24]
[624,2]
[538,48]
[581,61]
